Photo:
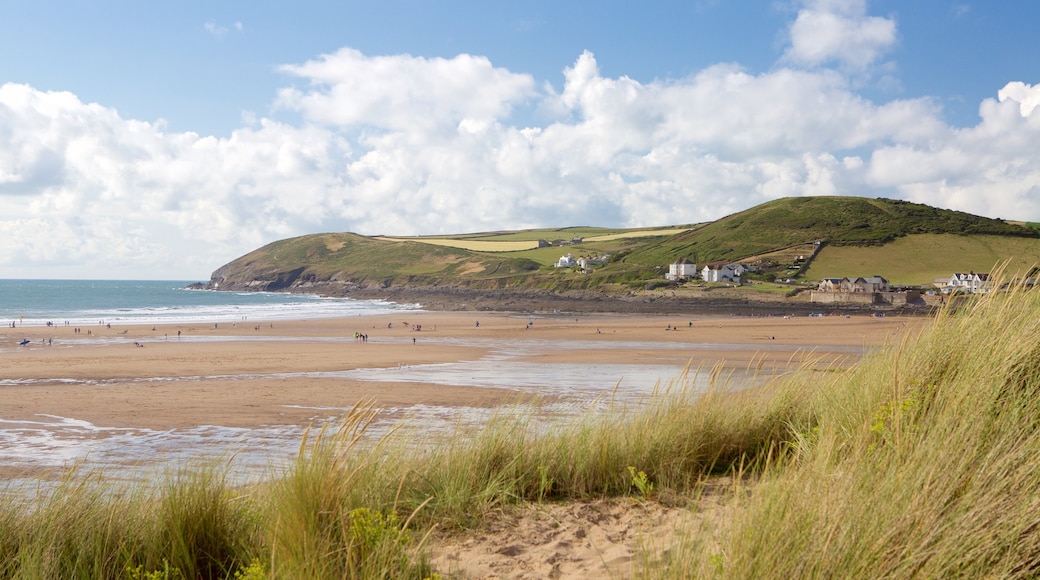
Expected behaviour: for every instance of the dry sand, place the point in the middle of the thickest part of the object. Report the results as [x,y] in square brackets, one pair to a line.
[242,375]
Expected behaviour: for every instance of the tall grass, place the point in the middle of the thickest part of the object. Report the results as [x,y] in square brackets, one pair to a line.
[918,461]
[354,506]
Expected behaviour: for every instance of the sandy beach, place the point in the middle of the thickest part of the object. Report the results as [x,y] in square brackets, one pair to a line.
[247,374]
[140,397]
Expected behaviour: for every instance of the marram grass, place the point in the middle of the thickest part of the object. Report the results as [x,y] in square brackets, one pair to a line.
[919,461]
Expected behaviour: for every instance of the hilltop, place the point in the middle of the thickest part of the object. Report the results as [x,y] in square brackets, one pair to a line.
[515,269]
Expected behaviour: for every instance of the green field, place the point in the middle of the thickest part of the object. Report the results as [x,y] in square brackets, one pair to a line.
[921,258]
[524,240]
[551,234]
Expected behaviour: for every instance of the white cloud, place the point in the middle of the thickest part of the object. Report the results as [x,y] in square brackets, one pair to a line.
[839,31]
[220,31]
[408,145]
[1027,96]
[348,89]
[214,29]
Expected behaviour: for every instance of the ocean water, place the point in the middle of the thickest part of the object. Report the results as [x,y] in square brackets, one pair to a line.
[82,302]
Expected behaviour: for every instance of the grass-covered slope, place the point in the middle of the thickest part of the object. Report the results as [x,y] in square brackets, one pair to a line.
[363,260]
[837,221]
[919,259]
[776,231]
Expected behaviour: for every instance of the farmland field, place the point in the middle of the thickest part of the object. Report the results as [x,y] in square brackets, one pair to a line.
[922,258]
[528,239]
[474,245]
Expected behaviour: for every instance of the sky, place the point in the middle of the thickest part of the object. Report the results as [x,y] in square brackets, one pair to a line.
[148,140]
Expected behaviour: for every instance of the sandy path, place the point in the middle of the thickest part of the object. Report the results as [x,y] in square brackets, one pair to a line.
[599,538]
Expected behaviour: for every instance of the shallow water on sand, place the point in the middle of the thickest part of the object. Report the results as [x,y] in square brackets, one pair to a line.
[49,443]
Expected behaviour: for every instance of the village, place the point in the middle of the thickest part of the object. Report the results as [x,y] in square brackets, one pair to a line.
[863,290]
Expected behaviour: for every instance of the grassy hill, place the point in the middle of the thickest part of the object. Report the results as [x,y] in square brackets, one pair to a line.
[837,221]
[361,259]
[905,242]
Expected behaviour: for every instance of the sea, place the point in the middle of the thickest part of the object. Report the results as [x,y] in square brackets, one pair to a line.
[49,442]
[83,302]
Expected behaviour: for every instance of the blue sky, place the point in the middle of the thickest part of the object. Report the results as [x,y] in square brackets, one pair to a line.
[148,140]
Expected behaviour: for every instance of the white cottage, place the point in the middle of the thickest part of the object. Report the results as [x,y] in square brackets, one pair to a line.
[722,272]
[566,261]
[970,282]
[681,269]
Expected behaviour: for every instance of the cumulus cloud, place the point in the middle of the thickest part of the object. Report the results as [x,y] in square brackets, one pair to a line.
[348,89]
[839,31]
[398,144]
[1027,96]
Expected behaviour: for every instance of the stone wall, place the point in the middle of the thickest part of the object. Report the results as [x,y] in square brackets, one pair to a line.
[866,298]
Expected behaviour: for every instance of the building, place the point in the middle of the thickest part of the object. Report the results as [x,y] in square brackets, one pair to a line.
[586,263]
[723,272]
[681,269]
[971,282]
[566,261]
[871,284]
[830,284]
[857,285]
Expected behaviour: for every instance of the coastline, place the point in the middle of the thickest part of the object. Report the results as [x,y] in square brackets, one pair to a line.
[699,301]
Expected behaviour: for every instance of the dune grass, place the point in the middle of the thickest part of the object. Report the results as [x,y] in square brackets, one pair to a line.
[353,506]
[919,461]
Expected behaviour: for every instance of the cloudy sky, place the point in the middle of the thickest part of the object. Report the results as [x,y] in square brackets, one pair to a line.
[144,140]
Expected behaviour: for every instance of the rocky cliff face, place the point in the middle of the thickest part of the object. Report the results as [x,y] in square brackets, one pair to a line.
[230,278]
[295,280]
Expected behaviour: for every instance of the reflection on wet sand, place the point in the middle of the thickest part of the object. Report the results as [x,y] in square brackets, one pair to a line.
[248,400]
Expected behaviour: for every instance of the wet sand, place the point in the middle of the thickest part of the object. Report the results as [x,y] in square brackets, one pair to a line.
[250,374]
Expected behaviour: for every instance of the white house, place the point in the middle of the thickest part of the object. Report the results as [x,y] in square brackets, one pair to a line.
[722,272]
[587,262]
[681,269]
[566,261]
[970,282]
